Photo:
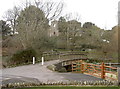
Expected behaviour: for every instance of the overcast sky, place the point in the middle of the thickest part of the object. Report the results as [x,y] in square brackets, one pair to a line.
[101,12]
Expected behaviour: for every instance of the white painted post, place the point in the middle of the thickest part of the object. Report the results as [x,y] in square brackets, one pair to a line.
[33,60]
[42,60]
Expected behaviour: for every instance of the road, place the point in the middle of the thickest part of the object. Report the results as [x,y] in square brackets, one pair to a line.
[39,73]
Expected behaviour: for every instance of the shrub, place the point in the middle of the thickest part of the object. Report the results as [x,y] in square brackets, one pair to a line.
[57,67]
[52,67]
[62,70]
[23,56]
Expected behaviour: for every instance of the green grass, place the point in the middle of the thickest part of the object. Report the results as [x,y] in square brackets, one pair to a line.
[68,87]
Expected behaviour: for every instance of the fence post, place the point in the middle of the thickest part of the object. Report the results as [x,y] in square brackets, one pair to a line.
[103,71]
[82,68]
[118,70]
[72,67]
[33,60]
[42,60]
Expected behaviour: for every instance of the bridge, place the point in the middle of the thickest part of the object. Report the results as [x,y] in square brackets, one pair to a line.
[98,70]
[79,70]
[38,73]
[77,62]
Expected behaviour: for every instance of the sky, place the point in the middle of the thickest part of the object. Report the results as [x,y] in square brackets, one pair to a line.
[103,13]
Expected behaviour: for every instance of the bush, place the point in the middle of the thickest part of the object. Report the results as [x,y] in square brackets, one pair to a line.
[57,67]
[23,56]
[52,67]
[62,70]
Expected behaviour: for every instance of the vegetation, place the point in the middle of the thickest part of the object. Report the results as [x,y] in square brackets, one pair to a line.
[57,67]
[6,30]
[23,56]
[39,30]
[29,27]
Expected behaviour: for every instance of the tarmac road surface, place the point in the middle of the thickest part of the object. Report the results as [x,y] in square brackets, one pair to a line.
[39,73]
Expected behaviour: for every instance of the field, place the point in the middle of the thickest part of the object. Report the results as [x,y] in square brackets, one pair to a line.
[71,88]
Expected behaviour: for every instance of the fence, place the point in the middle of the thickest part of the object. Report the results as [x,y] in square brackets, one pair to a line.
[77,65]
[64,55]
[101,71]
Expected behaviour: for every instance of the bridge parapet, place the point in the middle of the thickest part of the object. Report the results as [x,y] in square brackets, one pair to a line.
[64,55]
[97,70]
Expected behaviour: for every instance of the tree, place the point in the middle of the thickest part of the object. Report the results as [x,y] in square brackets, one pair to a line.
[31,23]
[91,35]
[115,38]
[111,36]
[51,9]
[63,36]
[74,31]
[69,31]
[11,17]
[88,25]
[62,25]
[32,27]
[5,29]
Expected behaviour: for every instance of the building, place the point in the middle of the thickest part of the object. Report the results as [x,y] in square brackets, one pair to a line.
[53,30]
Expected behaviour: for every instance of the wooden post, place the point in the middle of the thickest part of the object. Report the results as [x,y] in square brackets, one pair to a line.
[118,70]
[103,71]
[72,66]
[82,67]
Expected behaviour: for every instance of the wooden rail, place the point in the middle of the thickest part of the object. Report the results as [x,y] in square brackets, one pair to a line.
[101,71]
[78,65]
[64,55]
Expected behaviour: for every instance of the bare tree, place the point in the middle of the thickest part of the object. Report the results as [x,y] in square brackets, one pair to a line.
[51,9]
[11,17]
[31,21]
[73,16]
